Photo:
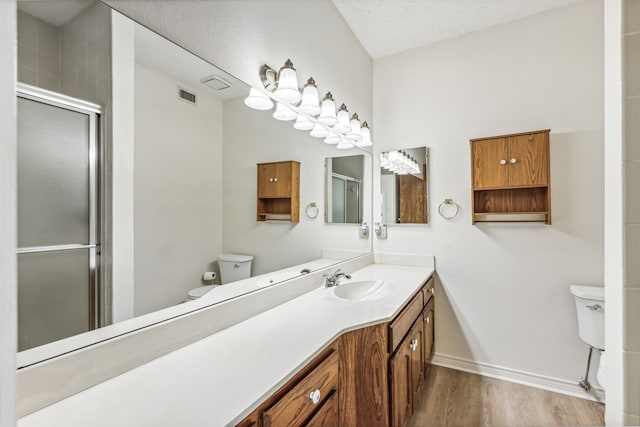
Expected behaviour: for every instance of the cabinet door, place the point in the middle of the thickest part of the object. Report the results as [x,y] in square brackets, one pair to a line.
[417,360]
[427,316]
[489,157]
[529,159]
[400,374]
[274,180]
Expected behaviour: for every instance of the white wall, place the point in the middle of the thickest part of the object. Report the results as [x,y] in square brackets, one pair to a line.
[178,189]
[8,224]
[122,197]
[252,137]
[504,295]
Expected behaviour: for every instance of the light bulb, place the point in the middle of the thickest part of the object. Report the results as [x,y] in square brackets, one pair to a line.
[258,100]
[343,126]
[303,123]
[287,90]
[354,129]
[284,113]
[309,104]
[328,111]
[366,135]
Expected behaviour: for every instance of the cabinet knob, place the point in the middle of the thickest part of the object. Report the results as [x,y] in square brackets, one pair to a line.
[427,319]
[276,179]
[513,160]
[270,179]
[503,162]
[414,344]
[315,396]
[433,290]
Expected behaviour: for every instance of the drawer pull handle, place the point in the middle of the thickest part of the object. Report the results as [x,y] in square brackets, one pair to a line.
[315,396]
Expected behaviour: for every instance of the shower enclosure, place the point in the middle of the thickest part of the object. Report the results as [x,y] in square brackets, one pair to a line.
[58,242]
[345,199]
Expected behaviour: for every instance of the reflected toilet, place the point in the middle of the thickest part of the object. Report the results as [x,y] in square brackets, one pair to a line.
[233,267]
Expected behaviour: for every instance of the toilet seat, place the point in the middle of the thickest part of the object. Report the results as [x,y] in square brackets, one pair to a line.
[196,293]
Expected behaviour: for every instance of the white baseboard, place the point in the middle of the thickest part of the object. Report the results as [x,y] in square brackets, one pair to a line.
[520,377]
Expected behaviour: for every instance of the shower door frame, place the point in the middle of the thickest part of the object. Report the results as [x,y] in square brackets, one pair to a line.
[346,179]
[93,112]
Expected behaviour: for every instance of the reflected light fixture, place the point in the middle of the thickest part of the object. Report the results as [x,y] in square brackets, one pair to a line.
[303,123]
[309,104]
[284,113]
[319,131]
[344,145]
[258,100]
[400,163]
[287,87]
[332,139]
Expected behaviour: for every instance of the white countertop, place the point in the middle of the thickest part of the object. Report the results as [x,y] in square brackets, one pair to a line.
[222,378]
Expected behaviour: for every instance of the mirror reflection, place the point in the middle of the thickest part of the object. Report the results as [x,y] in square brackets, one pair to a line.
[137,180]
[404,186]
[343,189]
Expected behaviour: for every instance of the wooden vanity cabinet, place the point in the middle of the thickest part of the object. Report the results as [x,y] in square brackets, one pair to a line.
[278,191]
[510,177]
[369,377]
[310,398]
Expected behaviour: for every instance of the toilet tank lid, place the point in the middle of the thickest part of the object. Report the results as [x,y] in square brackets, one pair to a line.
[234,258]
[588,292]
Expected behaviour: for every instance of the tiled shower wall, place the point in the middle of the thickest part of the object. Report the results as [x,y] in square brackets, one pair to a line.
[85,47]
[38,53]
[631,167]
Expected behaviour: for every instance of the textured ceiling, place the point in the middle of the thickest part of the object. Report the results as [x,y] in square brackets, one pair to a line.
[386,27]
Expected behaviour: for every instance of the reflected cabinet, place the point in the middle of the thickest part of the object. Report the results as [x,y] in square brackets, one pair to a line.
[510,178]
[279,191]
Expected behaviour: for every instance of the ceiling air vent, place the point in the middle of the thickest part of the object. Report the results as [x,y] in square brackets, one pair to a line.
[216,82]
[187,96]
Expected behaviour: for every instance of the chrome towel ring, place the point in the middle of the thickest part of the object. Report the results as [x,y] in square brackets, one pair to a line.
[449,209]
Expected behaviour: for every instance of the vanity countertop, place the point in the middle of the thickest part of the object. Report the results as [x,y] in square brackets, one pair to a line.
[220,379]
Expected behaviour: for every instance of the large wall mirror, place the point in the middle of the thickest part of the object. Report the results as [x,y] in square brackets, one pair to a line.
[404,179]
[118,125]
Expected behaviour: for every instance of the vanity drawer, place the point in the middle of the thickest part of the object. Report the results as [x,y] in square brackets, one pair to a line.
[297,405]
[399,327]
[428,290]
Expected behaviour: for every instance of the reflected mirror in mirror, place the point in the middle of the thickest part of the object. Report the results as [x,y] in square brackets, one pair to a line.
[404,186]
[145,190]
[343,194]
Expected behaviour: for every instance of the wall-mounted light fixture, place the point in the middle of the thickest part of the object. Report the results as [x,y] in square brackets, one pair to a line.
[303,106]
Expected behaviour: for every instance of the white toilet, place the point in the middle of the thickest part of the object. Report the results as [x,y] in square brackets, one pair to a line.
[233,267]
[590,310]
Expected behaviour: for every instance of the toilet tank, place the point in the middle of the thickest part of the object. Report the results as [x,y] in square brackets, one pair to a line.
[590,309]
[234,267]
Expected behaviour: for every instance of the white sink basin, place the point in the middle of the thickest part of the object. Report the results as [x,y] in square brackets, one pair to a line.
[367,290]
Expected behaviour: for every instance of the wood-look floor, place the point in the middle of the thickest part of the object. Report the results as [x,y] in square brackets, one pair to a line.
[453,398]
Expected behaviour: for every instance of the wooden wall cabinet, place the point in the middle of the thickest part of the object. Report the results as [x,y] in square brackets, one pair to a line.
[510,178]
[279,191]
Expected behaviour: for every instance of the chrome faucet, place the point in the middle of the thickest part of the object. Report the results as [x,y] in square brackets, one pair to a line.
[332,280]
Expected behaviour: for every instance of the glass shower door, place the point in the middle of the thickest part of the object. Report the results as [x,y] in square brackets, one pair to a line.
[56,221]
